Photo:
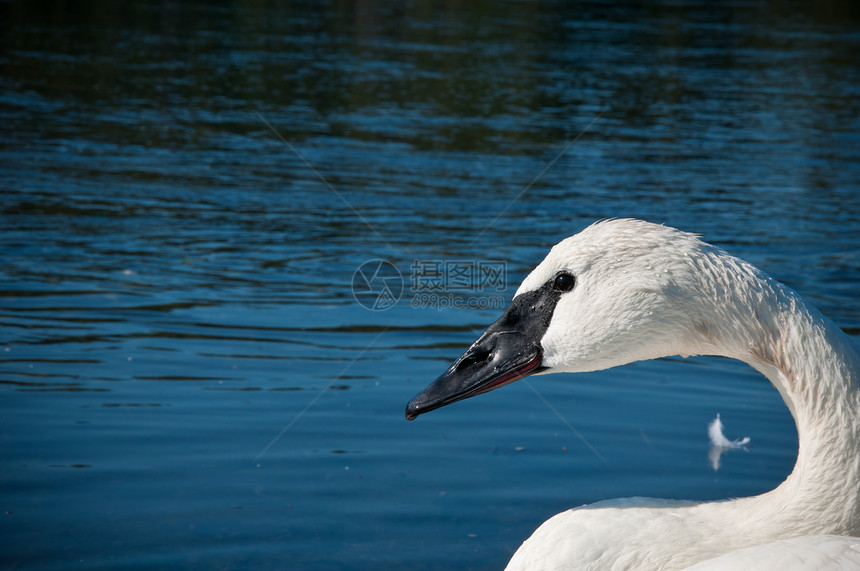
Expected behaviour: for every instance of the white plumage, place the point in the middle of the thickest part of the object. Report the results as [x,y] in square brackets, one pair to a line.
[645,291]
[805,553]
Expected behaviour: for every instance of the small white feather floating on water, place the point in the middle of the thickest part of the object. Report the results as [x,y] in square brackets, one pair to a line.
[720,444]
[715,431]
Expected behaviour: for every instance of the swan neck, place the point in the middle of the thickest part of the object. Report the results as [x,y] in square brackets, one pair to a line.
[815,368]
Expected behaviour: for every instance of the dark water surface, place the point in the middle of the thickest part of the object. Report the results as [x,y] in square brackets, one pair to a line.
[186,379]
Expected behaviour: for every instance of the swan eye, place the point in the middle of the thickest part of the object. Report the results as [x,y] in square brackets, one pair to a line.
[564,282]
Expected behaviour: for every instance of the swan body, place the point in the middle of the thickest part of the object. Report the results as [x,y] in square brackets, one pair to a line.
[627,290]
[805,553]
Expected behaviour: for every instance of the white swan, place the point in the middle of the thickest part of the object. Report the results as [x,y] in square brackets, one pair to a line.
[627,290]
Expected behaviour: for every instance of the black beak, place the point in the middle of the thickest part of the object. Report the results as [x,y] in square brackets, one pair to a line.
[506,352]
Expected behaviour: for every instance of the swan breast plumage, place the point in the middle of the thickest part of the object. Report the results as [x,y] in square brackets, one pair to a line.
[805,553]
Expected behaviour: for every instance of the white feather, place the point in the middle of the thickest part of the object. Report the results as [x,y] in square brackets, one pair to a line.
[718,439]
[721,444]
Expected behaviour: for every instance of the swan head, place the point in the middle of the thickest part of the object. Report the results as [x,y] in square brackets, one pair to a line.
[619,291]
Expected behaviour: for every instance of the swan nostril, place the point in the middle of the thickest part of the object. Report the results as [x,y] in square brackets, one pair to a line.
[475,357]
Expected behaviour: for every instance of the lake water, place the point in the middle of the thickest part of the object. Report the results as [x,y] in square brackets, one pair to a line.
[188,189]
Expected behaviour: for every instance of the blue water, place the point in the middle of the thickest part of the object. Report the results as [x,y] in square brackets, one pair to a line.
[187,190]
